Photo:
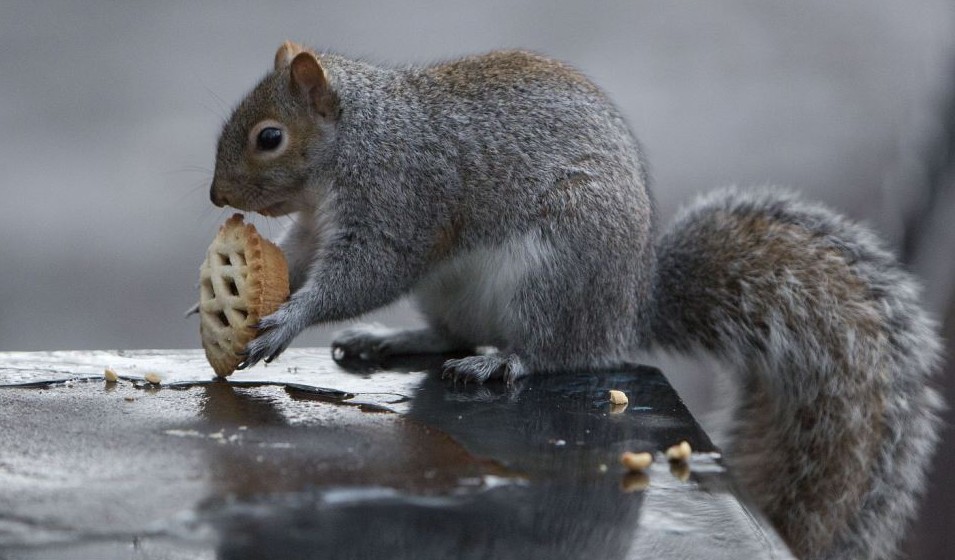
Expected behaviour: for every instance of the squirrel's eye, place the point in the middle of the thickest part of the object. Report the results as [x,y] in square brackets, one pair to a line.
[268,139]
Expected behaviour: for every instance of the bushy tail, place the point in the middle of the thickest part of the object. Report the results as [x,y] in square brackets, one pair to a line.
[836,420]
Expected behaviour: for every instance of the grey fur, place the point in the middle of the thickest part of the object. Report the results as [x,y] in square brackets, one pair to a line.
[429,167]
[837,417]
[507,195]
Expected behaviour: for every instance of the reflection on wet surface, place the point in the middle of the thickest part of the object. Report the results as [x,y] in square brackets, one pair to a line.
[317,463]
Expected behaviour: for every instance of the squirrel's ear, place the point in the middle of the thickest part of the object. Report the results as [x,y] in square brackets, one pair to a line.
[285,54]
[308,77]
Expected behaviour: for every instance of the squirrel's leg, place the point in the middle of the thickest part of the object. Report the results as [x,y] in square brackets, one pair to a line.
[375,341]
[351,275]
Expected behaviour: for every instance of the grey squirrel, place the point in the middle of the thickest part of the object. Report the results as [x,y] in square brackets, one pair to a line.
[507,195]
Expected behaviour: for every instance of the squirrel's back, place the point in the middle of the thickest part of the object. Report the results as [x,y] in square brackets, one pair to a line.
[512,135]
[528,132]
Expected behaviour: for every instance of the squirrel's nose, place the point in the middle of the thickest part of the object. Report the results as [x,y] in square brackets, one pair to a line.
[214,196]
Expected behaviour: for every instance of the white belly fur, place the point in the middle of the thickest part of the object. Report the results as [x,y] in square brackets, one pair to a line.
[471,294]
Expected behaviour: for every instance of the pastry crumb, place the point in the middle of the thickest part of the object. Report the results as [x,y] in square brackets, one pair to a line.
[618,397]
[679,453]
[636,461]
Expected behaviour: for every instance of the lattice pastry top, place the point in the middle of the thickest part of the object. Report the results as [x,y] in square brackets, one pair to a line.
[244,278]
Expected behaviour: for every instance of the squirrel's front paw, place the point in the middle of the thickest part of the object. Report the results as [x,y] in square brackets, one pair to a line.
[481,368]
[276,332]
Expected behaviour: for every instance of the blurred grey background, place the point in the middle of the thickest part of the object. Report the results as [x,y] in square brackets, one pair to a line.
[110,112]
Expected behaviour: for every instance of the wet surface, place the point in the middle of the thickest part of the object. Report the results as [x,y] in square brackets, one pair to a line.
[312,459]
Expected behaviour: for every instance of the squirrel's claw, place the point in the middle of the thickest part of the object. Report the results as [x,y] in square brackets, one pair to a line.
[192,310]
[255,352]
[275,334]
[508,367]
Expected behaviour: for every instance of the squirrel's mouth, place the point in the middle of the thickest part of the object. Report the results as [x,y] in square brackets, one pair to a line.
[277,209]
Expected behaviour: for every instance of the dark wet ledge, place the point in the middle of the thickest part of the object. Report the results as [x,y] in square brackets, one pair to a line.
[307,458]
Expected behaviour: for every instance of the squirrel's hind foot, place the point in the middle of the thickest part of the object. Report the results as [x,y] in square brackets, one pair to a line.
[369,342]
[479,369]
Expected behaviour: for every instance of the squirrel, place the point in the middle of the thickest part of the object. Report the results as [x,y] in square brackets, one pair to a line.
[506,193]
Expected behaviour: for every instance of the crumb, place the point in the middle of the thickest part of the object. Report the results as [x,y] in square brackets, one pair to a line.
[618,397]
[110,376]
[153,377]
[680,452]
[636,461]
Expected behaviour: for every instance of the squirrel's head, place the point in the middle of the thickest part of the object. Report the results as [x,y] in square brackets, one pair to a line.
[278,138]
